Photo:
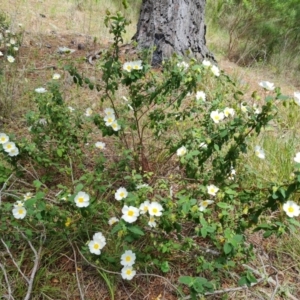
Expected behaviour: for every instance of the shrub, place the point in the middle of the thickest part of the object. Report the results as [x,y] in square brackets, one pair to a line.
[164,177]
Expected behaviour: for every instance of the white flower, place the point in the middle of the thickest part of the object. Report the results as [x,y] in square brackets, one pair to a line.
[3,138]
[40,90]
[28,196]
[297,157]
[16,48]
[144,207]
[95,247]
[297,98]
[9,146]
[203,204]
[141,186]
[259,152]
[206,63]
[82,199]
[291,208]
[128,273]
[128,258]
[56,76]
[203,145]
[212,190]
[88,112]
[1,54]
[42,121]
[267,85]
[127,66]
[12,41]
[181,151]
[121,193]
[229,112]
[115,126]
[130,213]
[109,120]
[100,145]
[183,65]
[19,212]
[200,95]
[152,222]
[113,220]
[71,109]
[109,112]
[215,70]
[10,58]
[100,238]
[243,108]
[14,152]
[155,209]
[137,65]
[217,116]
[231,174]
[19,204]
[124,98]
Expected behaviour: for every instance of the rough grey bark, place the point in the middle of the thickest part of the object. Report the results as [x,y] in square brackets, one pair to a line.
[172,26]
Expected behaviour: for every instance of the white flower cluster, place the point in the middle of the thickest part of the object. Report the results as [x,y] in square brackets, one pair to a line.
[133,65]
[215,70]
[217,116]
[183,65]
[269,86]
[110,119]
[97,243]
[127,261]
[131,213]
[9,147]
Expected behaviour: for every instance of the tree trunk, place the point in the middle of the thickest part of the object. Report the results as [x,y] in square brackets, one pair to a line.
[171,26]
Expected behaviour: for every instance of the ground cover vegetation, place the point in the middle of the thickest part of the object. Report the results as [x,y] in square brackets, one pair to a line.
[259,32]
[159,182]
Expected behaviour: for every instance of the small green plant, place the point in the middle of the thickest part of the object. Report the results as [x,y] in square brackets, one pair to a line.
[164,176]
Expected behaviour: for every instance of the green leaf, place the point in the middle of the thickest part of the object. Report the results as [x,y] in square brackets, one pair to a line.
[116,228]
[227,248]
[188,280]
[224,205]
[136,230]
[78,187]
[204,232]
[37,184]
[165,267]
[59,152]
[243,281]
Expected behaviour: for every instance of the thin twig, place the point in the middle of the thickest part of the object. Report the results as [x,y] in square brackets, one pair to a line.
[14,262]
[9,296]
[4,187]
[37,257]
[76,272]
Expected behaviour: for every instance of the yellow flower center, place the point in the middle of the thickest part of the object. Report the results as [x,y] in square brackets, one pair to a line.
[217,117]
[3,139]
[128,258]
[130,213]
[128,68]
[154,210]
[204,203]
[96,246]
[122,194]
[291,209]
[20,211]
[80,199]
[128,272]
[145,208]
